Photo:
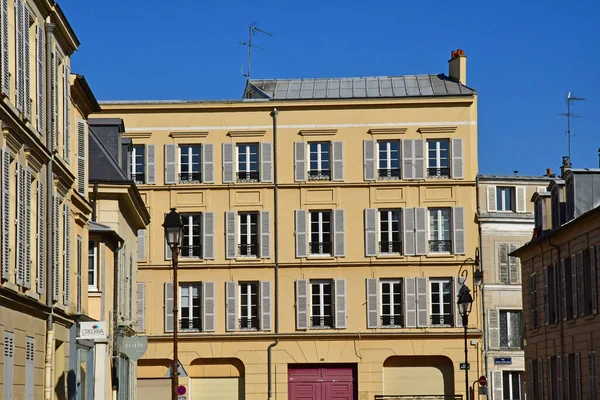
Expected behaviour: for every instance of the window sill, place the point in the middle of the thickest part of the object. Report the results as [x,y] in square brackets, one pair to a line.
[189,259]
[391,327]
[93,292]
[248,258]
[320,257]
[321,328]
[434,255]
[589,317]
[389,255]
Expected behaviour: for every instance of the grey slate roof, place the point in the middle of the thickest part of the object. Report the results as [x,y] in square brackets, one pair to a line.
[354,88]
[102,166]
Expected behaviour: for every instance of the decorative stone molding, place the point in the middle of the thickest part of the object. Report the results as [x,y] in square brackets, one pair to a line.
[137,135]
[245,133]
[317,132]
[387,131]
[437,129]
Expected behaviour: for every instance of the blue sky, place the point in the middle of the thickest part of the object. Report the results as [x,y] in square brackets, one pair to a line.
[523,58]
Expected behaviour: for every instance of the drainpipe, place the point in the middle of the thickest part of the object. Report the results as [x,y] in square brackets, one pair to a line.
[49,356]
[483,310]
[276,255]
[558,311]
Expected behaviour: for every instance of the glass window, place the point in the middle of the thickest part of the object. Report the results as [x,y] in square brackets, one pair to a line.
[321,304]
[320,232]
[534,304]
[248,234]
[390,241]
[510,329]
[190,300]
[189,164]
[505,198]
[391,303]
[438,159]
[249,319]
[511,382]
[440,235]
[389,159]
[138,170]
[191,245]
[320,163]
[93,265]
[440,291]
[247,162]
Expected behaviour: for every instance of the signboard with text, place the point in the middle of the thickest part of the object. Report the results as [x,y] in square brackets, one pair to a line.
[95,330]
[134,347]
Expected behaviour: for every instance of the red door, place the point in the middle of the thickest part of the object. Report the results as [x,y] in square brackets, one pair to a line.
[322,382]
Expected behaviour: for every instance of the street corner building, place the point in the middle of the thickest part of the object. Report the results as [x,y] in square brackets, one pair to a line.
[328,228]
[560,288]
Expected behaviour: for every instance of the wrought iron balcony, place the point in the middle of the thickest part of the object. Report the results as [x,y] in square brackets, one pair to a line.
[138,178]
[390,247]
[321,322]
[250,176]
[440,246]
[249,323]
[441,320]
[388,174]
[320,248]
[438,172]
[248,250]
[190,324]
[322,175]
[190,251]
[190,177]
[392,321]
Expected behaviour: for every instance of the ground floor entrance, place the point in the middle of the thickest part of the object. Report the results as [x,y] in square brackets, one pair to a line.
[322,382]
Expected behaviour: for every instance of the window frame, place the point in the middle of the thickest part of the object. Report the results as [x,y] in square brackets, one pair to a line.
[250,245]
[390,173]
[190,237]
[320,176]
[509,374]
[322,306]
[135,164]
[251,176]
[434,243]
[506,313]
[190,286]
[93,287]
[533,291]
[254,320]
[321,233]
[390,232]
[501,199]
[190,164]
[390,283]
[441,171]
[441,281]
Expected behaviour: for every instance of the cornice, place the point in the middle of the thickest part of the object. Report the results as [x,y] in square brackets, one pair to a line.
[317,132]
[246,133]
[387,131]
[437,129]
[137,135]
[188,135]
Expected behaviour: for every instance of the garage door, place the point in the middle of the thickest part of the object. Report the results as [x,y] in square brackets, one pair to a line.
[321,382]
[153,388]
[217,389]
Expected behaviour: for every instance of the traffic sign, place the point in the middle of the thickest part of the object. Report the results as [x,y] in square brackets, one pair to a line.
[464,366]
[482,381]
[181,390]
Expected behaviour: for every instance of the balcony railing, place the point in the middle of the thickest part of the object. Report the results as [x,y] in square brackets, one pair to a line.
[250,176]
[190,324]
[190,177]
[392,321]
[138,178]
[388,174]
[322,175]
[390,247]
[248,250]
[190,251]
[419,397]
[441,320]
[440,246]
[321,322]
[511,342]
[438,172]
[320,248]
[248,323]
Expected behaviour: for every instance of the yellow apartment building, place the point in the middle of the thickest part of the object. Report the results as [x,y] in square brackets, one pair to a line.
[319,259]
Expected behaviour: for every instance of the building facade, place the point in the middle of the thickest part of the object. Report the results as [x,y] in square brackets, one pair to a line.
[326,255]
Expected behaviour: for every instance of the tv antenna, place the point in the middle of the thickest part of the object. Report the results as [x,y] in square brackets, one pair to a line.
[570,99]
[252,30]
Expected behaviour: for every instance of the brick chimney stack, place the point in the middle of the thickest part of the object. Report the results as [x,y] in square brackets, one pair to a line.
[457,66]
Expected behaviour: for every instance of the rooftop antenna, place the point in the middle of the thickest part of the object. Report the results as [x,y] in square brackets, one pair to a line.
[252,30]
[570,99]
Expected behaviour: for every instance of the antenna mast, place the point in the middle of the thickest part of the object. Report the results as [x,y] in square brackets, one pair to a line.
[570,99]
[252,30]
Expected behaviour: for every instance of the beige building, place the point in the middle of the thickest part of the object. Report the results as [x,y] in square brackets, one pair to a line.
[325,256]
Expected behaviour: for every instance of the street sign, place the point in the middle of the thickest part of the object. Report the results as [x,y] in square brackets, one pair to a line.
[482,381]
[482,390]
[134,347]
[181,397]
[464,366]
[181,390]
[503,360]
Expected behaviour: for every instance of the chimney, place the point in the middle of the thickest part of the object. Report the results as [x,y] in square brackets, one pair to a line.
[457,66]
[566,165]
[549,173]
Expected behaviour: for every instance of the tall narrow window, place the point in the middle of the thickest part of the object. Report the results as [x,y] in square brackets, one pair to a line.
[534,302]
[320,161]
[505,197]
[511,383]
[593,375]
[321,304]
[191,245]
[391,303]
[438,158]
[248,234]
[389,232]
[93,266]
[440,302]
[249,318]
[511,330]
[389,159]
[138,170]
[320,232]
[190,300]
[247,163]
[440,235]
[189,164]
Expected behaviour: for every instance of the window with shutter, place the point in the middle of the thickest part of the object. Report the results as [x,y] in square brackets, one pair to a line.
[372,303]
[66,112]
[370,232]
[230,306]
[301,234]
[81,157]
[29,367]
[319,161]
[26,62]
[67,254]
[79,273]
[41,237]
[230,235]
[5,214]
[189,165]
[265,305]
[438,158]
[169,307]
[170,164]
[301,304]
[190,307]
[494,329]
[266,162]
[250,303]
[369,161]
[340,303]
[300,168]
[9,359]
[141,239]
[139,164]
[410,302]
[389,232]
[208,235]
[247,165]
[503,263]
[208,293]
[141,307]
[41,81]
[265,234]
[208,163]
[339,228]
[338,161]
[27,228]
[5,49]
[56,267]
[408,219]
[385,159]
[20,225]
[391,307]
[150,152]
[54,105]
[20,77]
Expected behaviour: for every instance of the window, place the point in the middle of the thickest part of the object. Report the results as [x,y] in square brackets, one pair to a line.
[321,315]
[440,302]
[320,161]
[390,241]
[589,283]
[536,377]
[534,304]
[189,164]
[439,230]
[438,158]
[574,376]
[93,265]
[249,317]
[552,371]
[389,159]
[570,310]
[247,163]
[552,296]
[320,233]
[190,300]
[505,198]
[592,373]
[391,303]
[510,330]
[138,173]
[248,237]
[191,245]
[511,383]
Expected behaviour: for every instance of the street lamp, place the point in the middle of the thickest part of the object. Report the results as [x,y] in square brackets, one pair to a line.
[173,229]
[465,302]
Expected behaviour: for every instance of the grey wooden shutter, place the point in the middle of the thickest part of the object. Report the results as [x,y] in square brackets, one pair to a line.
[370,232]
[228,163]
[422,303]
[491,199]
[497,387]
[27,230]
[339,229]
[230,305]
[410,303]
[208,163]
[54,73]
[81,157]
[301,304]
[514,265]
[563,287]
[141,307]
[370,160]
[421,231]
[520,195]
[459,281]
[67,254]
[340,303]
[546,295]
[170,164]
[457,159]
[549,372]
[301,234]
[578,376]
[266,162]
[265,234]
[5,56]
[372,303]
[40,52]
[299,161]
[230,235]
[567,378]
[503,263]
[580,284]
[541,377]
[337,153]
[559,385]
[56,249]
[41,236]
[494,329]
[408,146]
[141,244]
[208,306]
[66,113]
[574,267]
[169,322]
[151,164]
[419,159]
[29,368]
[19,52]
[594,281]
[208,235]
[458,229]
[26,64]
[408,230]
[20,225]
[9,360]
[265,305]
[79,297]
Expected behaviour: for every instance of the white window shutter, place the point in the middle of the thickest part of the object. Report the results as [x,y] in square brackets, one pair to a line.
[208,235]
[5,50]
[66,113]
[370,232]
[169,322]
[408,230]
[9,365]
[300,169]
[301,304]
[208,309]
[81,157]
[141,307]
[79,295]
[422,303]
[5,214]
[170,164]
[41,81]
[340,303]
[67,254]
[497,386]
[563,287]
[26,64]
[228,165]
[574,268]
[410,303]
[265,305]
[337,153]
[20,78]
[520,195]
[372,303]
[459,282]
[29,368]
[265,234]
[301,234]
[56,268]
[503,263]
[41,236]
[421,231]
[266,162]
[370,160]
[230,235]
[208,163]
[457,159]
[419,159]
[20,225]
[491,199]
[27,229]
[230,306]
[408,155]
[150,164]
[458,230]
[339,229]
[54,72]
[141,241]
[514,266]
[494,329]
[593,278]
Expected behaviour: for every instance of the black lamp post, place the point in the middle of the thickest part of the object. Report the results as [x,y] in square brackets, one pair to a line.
[465,302]
[173,230]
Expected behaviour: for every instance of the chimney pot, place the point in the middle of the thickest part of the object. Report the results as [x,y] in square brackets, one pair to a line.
[457,66]
[548,171]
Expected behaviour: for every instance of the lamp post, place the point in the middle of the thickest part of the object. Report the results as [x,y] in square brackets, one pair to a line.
[465,302]
[173,229]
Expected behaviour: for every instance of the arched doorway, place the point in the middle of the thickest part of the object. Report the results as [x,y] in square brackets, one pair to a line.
[217,379]
[418,375]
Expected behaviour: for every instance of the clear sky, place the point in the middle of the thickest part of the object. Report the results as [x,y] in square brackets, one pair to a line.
[523,58]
